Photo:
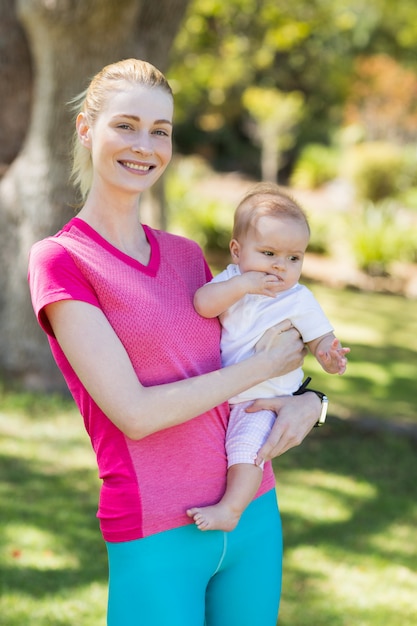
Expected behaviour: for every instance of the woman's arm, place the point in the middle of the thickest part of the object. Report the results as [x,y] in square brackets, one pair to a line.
[296,416]
[103,366]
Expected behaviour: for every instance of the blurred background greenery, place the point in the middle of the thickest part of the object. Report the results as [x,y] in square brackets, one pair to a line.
[311,94]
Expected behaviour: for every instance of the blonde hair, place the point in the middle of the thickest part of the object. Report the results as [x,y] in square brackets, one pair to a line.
[265,199]
[92,100]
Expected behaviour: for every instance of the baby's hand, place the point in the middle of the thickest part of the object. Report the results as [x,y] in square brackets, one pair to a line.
[261,283]
[333,360]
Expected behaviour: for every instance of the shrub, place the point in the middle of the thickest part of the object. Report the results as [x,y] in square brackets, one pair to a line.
[320,235]
[408,179]
[409,198]
[377,170]
[206,220]
[378,236]
[317,164]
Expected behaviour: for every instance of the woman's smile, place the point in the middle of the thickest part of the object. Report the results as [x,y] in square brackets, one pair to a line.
[138,167]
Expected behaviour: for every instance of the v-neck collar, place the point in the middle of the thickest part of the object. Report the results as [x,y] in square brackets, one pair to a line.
[154,259]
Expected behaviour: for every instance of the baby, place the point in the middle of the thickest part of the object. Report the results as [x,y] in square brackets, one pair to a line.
[258,290]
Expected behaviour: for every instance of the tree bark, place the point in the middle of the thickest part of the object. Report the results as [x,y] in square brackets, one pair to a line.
[69,40]
[15,84]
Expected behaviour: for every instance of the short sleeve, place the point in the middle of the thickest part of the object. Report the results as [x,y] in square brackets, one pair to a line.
[53,276]
[309,318]
[231,270]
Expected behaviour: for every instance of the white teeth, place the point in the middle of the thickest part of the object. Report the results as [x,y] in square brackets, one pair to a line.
[135,166]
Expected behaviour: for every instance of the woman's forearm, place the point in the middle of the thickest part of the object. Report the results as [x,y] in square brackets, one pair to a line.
[174,403]
[104,368]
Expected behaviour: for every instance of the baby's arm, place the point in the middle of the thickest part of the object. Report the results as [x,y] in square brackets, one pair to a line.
[329,353]
[213,299]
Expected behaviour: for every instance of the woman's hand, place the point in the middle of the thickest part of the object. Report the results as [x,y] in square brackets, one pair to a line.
[284,347]
[296,416]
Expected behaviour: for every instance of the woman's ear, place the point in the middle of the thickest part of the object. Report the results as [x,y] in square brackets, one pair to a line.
[83,130]
[234,250]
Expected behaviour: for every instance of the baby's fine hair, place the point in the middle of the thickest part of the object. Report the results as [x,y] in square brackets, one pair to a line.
[265,200]
[91,101]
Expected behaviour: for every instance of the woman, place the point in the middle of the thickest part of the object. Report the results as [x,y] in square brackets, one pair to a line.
[115,298]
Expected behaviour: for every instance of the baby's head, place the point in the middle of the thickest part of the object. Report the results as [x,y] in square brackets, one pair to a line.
[270,234]
[265,200]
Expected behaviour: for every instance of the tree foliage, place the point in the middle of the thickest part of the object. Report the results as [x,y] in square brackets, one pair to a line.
[310,46]
[275,115]
[383,100]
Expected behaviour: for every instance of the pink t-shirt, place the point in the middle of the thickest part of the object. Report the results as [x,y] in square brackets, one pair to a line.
[147,484]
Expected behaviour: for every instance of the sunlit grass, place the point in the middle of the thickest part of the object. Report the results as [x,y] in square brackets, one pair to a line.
[334,495]
[373,319]
[355,590]
[52,560]
[382,333]
[83,605]
[27,546]
[350,528]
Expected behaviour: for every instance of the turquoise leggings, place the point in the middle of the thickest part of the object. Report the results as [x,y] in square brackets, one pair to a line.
[188,577]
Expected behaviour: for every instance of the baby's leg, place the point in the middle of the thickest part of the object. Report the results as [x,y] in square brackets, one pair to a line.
[243,481]
[246,433]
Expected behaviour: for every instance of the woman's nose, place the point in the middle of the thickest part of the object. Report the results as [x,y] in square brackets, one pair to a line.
[143,144]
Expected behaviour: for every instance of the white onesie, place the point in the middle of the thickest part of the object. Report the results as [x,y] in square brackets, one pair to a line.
[243,324]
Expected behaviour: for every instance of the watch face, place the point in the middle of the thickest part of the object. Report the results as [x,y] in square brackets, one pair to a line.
[323,413]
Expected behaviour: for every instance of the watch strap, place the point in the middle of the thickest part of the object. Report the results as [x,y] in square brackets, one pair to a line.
[304,388]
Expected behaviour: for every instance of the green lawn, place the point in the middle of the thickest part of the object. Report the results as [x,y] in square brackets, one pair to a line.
[381,377]
[348,497]
[52,559]
[349,508]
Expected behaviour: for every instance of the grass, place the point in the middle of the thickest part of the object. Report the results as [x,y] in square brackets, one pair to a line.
[381,331]
[52,559]
[349,511]
[348,497]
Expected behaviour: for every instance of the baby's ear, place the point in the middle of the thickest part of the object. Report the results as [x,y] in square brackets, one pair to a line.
[234,250]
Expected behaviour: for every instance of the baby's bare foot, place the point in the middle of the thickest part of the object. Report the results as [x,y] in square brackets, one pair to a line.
[216,517]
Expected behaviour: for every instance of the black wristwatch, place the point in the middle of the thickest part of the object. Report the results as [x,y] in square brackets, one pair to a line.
[324,400]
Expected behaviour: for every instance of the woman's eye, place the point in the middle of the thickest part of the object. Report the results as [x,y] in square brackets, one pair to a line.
[161,133]
[124,126]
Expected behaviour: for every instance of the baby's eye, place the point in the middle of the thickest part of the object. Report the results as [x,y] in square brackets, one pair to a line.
[268,253]
[294,258]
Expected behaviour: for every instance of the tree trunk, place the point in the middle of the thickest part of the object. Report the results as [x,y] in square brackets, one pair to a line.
[270,157]
[15,84]
[70,40]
